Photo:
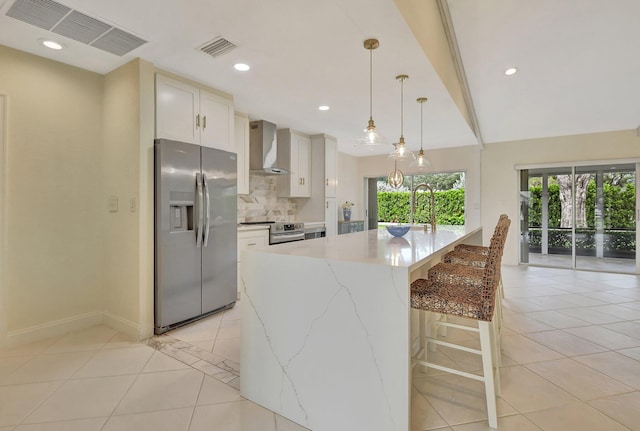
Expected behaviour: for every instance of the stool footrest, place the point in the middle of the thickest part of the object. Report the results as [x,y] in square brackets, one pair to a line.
[450,370]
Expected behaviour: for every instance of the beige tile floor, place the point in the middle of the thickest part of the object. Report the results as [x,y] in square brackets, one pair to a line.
[571,361]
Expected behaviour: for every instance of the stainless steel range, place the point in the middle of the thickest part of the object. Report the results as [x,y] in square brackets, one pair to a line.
[281,232]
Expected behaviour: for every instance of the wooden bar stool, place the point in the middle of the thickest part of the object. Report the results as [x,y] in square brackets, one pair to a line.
[456,264]
[464,297]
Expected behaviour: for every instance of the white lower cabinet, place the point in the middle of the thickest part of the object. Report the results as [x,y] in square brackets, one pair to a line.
[248,239]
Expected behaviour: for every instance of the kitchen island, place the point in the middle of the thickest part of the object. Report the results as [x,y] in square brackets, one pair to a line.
[326,326]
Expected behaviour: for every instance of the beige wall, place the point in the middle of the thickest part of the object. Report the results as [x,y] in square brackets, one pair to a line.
[120,172]
[500,179]
[457,159]
[54,203]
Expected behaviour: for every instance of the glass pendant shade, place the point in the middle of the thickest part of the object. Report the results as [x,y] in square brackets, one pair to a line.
[420,163]
[401,152]
[371,138]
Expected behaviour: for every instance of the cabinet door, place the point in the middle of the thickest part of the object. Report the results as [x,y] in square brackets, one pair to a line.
[304,166]
[330,167]
[331,216]
[241,133]
[176,110]
[216,121]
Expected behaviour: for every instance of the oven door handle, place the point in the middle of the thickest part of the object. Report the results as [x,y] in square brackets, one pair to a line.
[284,237]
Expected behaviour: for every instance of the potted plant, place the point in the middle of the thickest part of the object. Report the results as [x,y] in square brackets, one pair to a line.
[346,210]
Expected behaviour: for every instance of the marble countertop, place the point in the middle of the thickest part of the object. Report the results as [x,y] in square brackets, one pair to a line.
[376,246]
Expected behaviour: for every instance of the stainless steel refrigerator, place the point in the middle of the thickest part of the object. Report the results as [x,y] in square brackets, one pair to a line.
[195,232]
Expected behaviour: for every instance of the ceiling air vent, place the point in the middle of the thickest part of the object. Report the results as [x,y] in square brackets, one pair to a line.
[53,16]
[118,42]
[217,47]
[80,27]
[41,13]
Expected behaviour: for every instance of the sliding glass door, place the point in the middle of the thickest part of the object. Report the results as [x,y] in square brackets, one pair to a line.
[581,217]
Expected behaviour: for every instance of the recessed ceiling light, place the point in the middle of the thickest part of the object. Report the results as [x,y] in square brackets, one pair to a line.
[51,44]
[241,67]
[511,71]
[323,108]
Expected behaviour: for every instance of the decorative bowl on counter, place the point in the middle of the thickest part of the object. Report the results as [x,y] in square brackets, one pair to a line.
[398,230]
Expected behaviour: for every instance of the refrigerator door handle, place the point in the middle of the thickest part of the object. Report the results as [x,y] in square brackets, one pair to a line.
[199,209]
[207,209]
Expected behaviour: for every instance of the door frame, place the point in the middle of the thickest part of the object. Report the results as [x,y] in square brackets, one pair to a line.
[573,165]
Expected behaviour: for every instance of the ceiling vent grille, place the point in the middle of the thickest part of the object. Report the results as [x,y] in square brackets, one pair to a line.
[60,19]
[80,27]
[217,47]
[118,42]
[41,13]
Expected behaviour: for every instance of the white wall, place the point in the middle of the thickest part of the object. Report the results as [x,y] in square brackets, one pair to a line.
[349,186]
[457,159]
[500,181]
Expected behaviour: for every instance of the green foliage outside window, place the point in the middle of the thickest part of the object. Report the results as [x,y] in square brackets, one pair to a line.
[395,207]
[619,204]
[619,222]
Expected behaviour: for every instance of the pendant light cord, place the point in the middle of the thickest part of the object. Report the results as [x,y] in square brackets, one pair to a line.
[402,107]
[421,119]
[370,84]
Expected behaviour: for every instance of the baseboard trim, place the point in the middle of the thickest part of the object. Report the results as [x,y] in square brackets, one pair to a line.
[55,328]
[122,325]
[62,327]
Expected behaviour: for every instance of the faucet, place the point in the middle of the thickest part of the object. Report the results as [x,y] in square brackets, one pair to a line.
[432,220]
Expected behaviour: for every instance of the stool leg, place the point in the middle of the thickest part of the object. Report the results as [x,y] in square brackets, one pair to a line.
[487,368]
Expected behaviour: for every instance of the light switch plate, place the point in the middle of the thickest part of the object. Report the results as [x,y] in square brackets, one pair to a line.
[113,203]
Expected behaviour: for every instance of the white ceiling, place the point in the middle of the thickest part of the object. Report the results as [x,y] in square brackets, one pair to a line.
[578,62]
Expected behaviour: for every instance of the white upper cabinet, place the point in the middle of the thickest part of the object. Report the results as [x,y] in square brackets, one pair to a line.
[177,105]
[294,153]
[242,148]
[217,118]
[189,114]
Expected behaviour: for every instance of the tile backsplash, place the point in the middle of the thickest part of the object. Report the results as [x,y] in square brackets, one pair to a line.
[262,202]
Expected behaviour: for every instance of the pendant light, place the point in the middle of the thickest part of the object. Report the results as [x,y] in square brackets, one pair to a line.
[396,177]
[371,138]
[421,163]
[401,152]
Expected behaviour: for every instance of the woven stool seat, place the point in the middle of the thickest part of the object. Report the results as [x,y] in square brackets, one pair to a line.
[476,249]
[453,274]
[452,299]
[458,257]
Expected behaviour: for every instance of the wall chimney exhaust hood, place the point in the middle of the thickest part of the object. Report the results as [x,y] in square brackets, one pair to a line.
[263,149]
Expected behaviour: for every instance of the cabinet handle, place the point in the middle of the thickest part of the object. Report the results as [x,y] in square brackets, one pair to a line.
[197,121]
[253,243]
[204,121]
[327,204]
[327,181]
[303,181]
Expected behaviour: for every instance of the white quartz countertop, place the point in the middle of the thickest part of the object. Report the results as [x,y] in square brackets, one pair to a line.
[377,246]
